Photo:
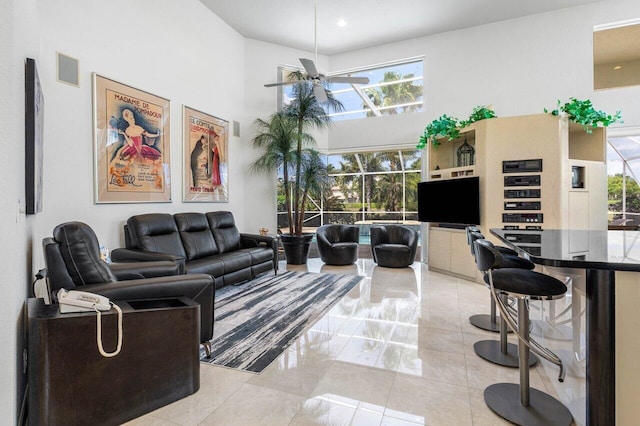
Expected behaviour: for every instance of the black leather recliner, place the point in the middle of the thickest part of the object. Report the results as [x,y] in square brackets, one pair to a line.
[200,243]
[72,259]
[338,244]
[393,246]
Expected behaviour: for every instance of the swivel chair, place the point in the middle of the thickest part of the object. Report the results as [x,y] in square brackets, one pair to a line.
[500,352]
[519,403]
[393,246]
[338,244]
[72,259]
[489,322]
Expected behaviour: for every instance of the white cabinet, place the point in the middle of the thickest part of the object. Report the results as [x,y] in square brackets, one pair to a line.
[449,252]
[568,191]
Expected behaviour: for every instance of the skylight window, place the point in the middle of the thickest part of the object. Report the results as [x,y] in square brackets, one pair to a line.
[394,88]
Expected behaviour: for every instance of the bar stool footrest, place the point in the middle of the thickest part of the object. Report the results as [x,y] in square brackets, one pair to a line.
[544,410]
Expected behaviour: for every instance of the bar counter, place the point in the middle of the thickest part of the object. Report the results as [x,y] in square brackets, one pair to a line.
[608,262]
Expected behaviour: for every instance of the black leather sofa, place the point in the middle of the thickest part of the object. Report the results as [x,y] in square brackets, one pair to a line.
[201,243]
[72,259]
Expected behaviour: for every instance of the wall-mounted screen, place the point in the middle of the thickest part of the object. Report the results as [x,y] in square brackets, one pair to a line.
[452,201]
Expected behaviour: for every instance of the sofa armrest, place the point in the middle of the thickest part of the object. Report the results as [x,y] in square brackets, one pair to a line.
[255,240]
[138,270]
[120,255]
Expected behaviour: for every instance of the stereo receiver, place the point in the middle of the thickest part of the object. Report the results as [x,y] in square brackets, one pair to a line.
[530,180]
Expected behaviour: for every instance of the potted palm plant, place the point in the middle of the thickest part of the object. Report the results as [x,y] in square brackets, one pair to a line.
[287,144]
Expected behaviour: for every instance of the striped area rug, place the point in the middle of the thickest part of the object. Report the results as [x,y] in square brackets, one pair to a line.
[271,312]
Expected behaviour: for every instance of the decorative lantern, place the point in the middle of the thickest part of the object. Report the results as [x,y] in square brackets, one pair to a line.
[466,154]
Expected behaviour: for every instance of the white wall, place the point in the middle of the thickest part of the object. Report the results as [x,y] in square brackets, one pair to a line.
[176,50]
[18,39]
[181,51]
[519,66]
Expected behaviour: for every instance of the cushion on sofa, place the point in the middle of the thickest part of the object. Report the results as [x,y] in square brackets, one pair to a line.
[223,228]
[156,232]
[195,234]
[210,265]
[258,254]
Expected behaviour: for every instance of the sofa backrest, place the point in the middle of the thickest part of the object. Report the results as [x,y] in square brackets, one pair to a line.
[73,258]
[223,228]
[57,275]
[196,235]
[156,232]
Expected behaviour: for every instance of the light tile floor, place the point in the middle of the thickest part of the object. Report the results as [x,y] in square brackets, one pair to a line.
[396,350]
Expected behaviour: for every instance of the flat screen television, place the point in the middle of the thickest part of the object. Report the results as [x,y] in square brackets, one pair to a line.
[452,201]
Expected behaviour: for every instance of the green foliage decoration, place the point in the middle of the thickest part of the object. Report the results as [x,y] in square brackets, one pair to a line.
[441,126]
[583,112]
[480,112]
[450,126]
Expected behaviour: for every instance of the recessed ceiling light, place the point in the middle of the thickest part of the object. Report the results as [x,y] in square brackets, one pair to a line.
[617,67]
[341,23]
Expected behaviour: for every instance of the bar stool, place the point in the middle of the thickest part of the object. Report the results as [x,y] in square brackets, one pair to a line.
[489,322]
[501,352]
[519,403]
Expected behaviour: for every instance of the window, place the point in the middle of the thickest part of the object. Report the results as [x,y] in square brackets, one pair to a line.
[393,88]
[623,169]
[366,187]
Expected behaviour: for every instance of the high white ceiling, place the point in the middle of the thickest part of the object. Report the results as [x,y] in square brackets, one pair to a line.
[370,22]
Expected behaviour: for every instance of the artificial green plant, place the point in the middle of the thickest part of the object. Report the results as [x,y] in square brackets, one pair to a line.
[445,126]
[583,112]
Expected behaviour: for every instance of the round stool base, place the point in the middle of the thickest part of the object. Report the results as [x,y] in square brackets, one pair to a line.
[543,409]
[489,350]
[483,322]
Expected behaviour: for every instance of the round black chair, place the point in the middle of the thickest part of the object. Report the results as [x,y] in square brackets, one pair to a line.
[500,351]
[338,244]
[519,403]
[393,246]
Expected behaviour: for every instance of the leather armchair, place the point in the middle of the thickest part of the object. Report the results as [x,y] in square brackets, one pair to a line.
[338,244]
[72,259]
[393,246]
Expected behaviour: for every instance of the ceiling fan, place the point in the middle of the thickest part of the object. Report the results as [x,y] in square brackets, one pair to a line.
[314,76]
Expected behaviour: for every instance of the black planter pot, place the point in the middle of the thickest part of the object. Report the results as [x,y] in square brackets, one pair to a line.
[296,248]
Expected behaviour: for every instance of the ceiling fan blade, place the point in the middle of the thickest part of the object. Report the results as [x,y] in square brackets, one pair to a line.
[351,80]
[319,92]
[310,67]
[284,83]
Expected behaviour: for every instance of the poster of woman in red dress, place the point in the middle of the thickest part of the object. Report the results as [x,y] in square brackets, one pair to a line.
[131,144]
[205,150]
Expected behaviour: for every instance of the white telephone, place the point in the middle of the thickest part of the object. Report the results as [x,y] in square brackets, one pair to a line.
[81,301]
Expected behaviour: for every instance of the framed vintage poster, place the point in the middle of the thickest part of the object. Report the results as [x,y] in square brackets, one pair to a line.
[131,144]
[205,140]
[34,132]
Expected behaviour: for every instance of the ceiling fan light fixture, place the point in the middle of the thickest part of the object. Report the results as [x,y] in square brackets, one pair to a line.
[312,73]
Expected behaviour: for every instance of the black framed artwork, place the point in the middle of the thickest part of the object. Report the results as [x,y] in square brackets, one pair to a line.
[34,125]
